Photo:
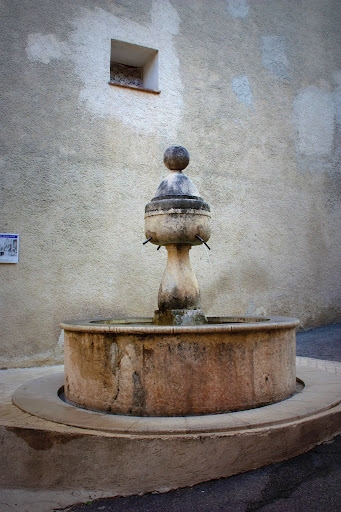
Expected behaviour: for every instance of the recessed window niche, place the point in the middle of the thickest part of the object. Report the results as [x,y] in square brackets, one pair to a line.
[134,66]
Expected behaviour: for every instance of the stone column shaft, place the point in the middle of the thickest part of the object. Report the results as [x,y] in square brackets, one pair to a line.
[179,287]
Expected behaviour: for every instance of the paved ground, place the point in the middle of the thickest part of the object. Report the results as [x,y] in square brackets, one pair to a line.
[307,483]
[321,343]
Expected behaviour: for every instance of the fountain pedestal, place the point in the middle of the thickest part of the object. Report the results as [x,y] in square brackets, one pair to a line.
[179,287]
[179,296]
[178,218]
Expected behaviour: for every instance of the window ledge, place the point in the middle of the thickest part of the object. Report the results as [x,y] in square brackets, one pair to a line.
[135,87]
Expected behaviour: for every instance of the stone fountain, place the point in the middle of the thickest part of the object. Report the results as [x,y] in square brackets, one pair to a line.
[179,362]
[152,404]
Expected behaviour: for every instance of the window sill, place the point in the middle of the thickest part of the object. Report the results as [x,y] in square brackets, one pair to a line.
[135,87]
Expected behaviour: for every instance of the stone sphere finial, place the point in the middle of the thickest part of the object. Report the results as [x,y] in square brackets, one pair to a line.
[176,158]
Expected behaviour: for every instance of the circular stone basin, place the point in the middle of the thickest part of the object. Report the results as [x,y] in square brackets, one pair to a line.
[132,367]
[149,320]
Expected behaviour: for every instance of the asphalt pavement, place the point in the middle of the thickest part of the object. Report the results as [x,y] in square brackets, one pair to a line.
[308,483]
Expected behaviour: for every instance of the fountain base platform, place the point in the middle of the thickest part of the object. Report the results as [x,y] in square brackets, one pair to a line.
[49,444]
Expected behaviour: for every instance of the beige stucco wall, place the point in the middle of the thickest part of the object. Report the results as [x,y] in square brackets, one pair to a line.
[251,88]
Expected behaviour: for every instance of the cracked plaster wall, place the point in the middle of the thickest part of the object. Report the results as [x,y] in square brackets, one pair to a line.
[251,89]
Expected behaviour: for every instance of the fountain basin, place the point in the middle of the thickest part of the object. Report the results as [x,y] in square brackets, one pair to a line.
[176,226]
[132,367]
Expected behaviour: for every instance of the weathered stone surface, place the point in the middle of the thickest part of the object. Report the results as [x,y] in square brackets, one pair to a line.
[175,371]
[139,455]
[179,287]
[179,317]
[177,214]
[176,184]
[176,158]
[170,220]
[177,226]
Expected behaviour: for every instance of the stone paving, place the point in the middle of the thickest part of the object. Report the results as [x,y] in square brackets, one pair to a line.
[319,364]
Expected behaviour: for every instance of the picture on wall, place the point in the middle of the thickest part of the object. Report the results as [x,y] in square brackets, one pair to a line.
[9,248]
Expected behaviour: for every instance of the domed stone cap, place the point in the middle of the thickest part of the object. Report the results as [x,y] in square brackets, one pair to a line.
[174,185]
[176,190]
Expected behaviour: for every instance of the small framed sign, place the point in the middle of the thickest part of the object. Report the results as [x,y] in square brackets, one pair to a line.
[9,248]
